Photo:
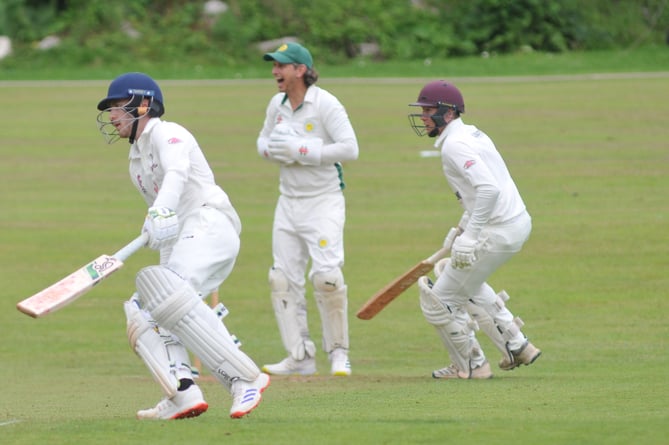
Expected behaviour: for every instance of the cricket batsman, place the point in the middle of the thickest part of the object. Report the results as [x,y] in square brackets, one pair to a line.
[494,226]
[192,224]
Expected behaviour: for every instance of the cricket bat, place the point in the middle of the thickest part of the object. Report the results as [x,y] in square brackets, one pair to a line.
[403,282]
[79,282]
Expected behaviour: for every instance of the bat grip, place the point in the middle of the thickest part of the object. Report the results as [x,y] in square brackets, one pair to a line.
[448,243]
[132,247]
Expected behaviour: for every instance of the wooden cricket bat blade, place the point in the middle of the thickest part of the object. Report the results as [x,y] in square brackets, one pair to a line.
[391,291]
[381,299]
[70,288]
[76,284]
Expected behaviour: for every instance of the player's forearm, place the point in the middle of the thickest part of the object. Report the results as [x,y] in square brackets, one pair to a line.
[342,151]
[486,198]
[170,190]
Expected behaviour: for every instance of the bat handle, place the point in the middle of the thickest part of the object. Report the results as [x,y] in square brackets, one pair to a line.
[132,247]
[448,242]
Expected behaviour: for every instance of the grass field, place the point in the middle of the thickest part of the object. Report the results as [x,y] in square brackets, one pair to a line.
[589,154]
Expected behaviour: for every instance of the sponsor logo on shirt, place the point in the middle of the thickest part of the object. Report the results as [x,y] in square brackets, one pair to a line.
[469,164]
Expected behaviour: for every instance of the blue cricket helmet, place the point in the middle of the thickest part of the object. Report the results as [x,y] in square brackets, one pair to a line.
[135,87]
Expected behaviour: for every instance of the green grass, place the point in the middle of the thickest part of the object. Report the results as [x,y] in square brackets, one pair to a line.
[648,58]
[589,155]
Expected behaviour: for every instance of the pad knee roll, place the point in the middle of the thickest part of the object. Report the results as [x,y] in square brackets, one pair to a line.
[278,282]
[328,281]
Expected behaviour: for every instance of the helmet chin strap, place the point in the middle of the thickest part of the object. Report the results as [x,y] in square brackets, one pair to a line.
[439,124]
[439,121]
[133,132]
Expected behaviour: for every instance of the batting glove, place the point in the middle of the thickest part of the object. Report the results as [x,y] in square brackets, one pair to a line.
[162,225]
[463,252]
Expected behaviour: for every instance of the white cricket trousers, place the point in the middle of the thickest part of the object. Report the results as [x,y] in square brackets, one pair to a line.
[205,251]
[308,228]
[455,287]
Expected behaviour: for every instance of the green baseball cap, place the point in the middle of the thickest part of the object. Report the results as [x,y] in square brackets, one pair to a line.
[291,53]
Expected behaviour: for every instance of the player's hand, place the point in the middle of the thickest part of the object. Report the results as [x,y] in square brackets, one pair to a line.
[463,252]
[280,148]
[280,141]
[289,149]
[162,225]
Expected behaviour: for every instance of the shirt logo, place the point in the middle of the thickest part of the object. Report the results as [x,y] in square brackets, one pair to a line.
[469,164]
[303,151]
[174,141]
[309,127]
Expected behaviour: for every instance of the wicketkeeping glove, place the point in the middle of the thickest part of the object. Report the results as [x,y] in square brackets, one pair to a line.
[463,252]
[162,225]
[288,149]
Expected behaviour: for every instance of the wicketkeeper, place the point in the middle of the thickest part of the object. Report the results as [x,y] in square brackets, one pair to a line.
[307,133]
[193,225]
[494,226]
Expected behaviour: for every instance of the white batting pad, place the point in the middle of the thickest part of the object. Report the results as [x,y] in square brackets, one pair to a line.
[334,318]
[291,319]
[175,305]
[487,325]
[150,347]
[290,311]
[495,307]
[453,326]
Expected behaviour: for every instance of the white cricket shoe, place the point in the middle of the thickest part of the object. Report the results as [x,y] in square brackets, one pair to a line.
[452,372]
[247,395]
[188,403]
[341,366]
[526,355]
[290,366]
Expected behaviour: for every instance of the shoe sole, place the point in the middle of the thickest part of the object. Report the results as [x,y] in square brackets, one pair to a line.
[304,374]
[455,377]
[194,411]
[240,414]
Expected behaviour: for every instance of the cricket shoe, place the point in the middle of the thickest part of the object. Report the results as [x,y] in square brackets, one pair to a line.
[526,355]
[290,366]
[188,403]
[451,372]
[341,366]
[247,395]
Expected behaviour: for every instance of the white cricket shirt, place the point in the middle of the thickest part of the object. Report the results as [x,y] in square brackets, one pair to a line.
[470,162]
[169,169]
[321,115]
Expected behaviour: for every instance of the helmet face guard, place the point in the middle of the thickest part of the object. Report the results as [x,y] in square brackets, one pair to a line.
[418,125]
[132,90]
[133,111]
[442,96]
